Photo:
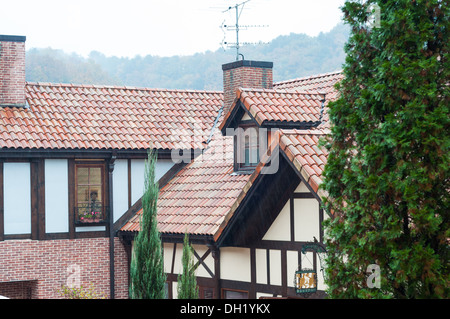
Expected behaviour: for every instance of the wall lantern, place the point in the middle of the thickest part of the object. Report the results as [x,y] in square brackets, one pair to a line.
[306,279]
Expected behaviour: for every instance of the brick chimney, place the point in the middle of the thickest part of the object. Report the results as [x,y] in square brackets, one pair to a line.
[12,71]
[245,74]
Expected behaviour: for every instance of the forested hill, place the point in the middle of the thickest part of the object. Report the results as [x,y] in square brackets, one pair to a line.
[294,56]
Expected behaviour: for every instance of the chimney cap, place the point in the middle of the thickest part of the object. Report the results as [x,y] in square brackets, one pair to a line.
[247,63]
[12,38]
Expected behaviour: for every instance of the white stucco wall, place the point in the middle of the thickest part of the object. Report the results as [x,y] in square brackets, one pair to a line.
[17,198]
[56,196]
[235,263]
[280,228]
[306,219]
[137,175]
[120,188]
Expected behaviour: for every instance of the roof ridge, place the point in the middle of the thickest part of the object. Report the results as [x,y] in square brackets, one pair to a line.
[287,91]
[121,87]
[309,77]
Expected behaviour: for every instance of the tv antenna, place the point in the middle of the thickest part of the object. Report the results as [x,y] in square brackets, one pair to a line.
[237,28]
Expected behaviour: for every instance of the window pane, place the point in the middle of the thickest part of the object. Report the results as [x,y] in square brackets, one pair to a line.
[95,195]
[253,156]
[248,153]
[83,175]
[206,293]
[95,176]
[82,194]
[231,294]
[247,157]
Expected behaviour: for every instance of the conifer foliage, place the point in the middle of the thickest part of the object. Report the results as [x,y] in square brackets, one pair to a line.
[147,277]
[387,175]
[187,282]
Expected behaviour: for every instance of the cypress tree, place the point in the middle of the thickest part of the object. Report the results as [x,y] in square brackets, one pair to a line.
[187,282]
[147,277]
[387,175]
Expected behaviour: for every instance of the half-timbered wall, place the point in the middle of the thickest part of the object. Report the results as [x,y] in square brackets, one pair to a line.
[266,268]
[37,199]
[37,195]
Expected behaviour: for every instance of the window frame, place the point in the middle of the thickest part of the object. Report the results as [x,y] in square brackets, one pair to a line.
[240,149]
[202,292]
[104,200]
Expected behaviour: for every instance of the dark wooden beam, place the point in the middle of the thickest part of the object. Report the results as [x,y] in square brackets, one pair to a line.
[34,167]
[41,199]
[71,181]
[2,225]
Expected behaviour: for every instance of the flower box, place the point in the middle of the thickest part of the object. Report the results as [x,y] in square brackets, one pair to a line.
[87,216]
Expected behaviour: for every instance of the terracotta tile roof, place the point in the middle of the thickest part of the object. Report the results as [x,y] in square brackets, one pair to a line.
[303,150]
[64,116]
[281,105]
[322,82]
[200,196]
[276,106]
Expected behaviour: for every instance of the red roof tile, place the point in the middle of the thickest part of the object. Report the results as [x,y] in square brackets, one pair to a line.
[279,105]
[68,116]
[321,82]
[296,105]
[303,149]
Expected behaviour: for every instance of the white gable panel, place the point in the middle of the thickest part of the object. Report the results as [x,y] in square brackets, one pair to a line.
[280,228]
[306,219]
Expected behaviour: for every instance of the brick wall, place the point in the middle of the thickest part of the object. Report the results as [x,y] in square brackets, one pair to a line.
[12,71]
[38,268]
[245,74]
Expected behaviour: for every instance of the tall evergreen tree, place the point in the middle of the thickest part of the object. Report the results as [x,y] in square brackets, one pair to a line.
[147,277]
[387,174]
[187,282]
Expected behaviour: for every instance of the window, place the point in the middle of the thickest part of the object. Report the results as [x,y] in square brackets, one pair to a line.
[206,293]
[234,294]
[89,200]
[247,147]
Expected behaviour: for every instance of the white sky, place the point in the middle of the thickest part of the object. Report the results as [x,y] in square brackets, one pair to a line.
[158,27]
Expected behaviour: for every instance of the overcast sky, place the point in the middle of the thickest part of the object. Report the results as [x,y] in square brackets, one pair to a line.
[159,27]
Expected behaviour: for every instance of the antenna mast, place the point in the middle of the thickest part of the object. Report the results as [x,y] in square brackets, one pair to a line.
[236,27]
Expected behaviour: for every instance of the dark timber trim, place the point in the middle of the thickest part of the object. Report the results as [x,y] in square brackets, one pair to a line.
[2,225]
[13,38]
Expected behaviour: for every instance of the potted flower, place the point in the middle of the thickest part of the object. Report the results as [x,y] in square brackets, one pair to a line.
[90,216]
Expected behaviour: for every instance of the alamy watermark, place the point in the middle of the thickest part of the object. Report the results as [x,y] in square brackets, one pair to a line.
[374,279]
[248,147]
[374,12]
[73,276]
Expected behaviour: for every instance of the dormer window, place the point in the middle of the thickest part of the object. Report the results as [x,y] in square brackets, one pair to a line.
[247,148]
